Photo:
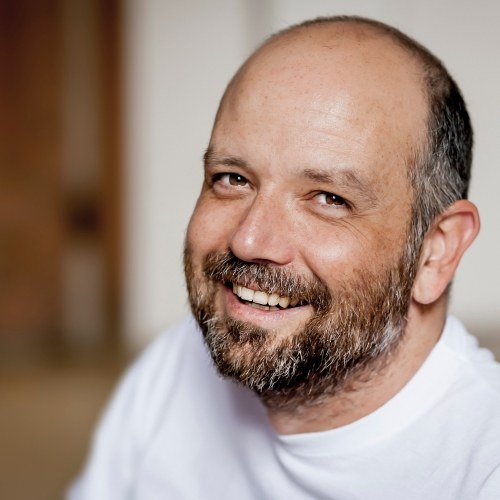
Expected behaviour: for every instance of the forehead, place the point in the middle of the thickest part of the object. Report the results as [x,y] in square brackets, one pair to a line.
[329,93]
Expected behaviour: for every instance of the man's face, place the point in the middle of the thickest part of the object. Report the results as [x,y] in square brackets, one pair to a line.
[296,256]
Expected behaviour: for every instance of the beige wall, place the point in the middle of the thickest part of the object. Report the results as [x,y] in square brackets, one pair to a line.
[178,58]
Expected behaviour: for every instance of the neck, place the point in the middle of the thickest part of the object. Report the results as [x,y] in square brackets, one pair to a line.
[372,388]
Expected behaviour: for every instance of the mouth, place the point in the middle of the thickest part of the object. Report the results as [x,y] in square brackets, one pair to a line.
[259,299]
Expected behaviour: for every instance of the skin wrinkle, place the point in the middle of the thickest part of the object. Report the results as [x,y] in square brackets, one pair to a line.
[341,177]
[243,351]
[335,116]
[274,123]
[350,225]
[227,267]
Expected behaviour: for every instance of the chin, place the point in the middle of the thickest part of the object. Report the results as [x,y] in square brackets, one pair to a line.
[309,349]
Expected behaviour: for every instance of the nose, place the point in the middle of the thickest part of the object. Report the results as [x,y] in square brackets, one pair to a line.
[264,233]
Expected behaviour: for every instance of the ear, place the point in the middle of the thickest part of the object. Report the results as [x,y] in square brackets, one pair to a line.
[443,247]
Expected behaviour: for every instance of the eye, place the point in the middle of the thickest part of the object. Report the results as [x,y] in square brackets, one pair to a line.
[330,199]
[230,179]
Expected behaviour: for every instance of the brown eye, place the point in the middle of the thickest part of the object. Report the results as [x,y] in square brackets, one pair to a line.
[229,180]
[236,180]
[331,199]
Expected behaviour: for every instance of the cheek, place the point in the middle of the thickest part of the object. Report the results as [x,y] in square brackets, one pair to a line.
[338,254]
[208,229]
[332,260]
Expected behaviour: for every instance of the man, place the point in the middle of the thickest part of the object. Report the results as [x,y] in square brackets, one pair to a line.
[319,257]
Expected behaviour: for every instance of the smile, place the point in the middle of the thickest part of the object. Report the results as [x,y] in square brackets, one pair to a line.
[263,300]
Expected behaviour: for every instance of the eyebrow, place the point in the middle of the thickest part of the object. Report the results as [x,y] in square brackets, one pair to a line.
[212,158]
[345,178]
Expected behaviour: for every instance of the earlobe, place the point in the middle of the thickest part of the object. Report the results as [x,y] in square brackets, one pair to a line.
[446,241]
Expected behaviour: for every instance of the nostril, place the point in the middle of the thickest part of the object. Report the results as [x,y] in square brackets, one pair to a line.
[258,238]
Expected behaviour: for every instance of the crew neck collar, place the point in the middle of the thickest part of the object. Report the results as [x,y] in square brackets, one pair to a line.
[420,394]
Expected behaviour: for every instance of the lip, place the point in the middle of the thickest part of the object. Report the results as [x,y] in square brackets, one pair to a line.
[267,319]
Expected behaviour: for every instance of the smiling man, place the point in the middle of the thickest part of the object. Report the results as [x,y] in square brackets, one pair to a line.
[331,220]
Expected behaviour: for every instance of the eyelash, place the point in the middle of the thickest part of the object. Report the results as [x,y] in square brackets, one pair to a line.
[240,182]
[230,175]
[337,201]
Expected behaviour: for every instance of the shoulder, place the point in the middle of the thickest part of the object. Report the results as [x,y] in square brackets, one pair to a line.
[150,386]
[136,411]
[149,382]
[477,365]
[471,413]
[162,353]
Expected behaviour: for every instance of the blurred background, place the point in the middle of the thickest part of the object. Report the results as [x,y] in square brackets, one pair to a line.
[106,108]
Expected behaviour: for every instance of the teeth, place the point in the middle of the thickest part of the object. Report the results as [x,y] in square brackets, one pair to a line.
[273,299]
[284,301]
[246,293]
[263,298]
[260,298]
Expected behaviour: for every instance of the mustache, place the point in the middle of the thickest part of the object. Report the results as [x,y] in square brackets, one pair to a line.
[227,268]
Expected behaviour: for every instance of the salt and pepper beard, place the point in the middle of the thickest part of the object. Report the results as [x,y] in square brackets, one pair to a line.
[352,329]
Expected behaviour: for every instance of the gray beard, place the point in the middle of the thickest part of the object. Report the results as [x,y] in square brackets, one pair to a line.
[350,333]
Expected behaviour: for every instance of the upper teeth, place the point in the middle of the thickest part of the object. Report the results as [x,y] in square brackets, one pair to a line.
[263,298]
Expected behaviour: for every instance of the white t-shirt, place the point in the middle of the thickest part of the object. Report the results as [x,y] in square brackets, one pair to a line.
[175,430]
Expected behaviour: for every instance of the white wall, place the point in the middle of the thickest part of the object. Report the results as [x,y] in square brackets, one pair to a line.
[180,55]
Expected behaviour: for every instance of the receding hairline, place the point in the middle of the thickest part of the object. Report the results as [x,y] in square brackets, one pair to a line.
[355,26]
[361,27]
[433,76]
